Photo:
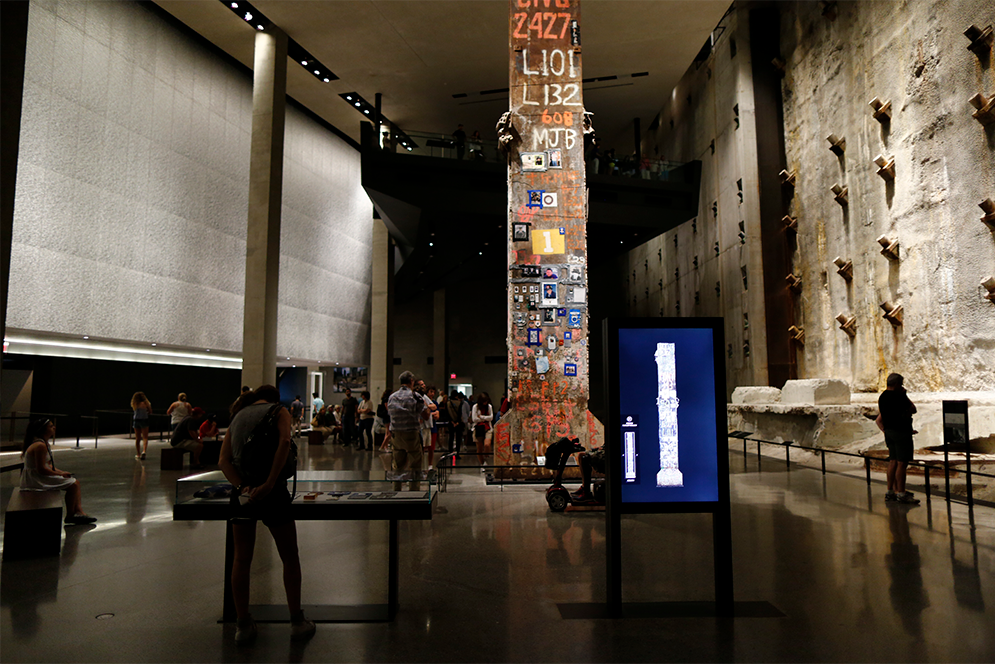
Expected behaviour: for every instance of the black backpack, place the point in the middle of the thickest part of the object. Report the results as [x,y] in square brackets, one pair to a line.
[260,448]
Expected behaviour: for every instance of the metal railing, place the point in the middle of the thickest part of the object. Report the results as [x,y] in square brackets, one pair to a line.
[444,146]
[867,461]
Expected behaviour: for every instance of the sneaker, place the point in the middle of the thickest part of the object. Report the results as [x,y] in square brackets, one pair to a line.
[890,497]
[143,456]
[483,469]
[246,631]
[302,631]
[908,499]
[138,457]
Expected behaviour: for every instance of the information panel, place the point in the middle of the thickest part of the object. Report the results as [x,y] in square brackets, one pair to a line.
[667,387]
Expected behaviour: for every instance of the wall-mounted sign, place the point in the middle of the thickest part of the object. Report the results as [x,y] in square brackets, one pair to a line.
[547,241]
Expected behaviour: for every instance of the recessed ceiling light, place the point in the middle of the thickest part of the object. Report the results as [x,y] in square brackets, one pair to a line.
[153,344]
[86,337]
[367,111]
[234,5]
[259,27]
[316,72]
[248,16]
[348,98]
[431,244]
[304,62]
[325,80]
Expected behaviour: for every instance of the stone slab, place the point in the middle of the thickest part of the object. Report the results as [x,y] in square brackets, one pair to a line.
[816,391]
[755,394]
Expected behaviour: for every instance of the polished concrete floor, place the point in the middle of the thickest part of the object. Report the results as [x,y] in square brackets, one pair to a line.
[855,579]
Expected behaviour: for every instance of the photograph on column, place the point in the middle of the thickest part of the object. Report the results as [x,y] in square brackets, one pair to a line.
[667,405]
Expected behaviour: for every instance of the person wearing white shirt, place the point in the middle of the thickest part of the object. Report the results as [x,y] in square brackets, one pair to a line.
[481,417]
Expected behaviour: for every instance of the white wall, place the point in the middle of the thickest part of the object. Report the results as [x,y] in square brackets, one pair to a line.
[132,193]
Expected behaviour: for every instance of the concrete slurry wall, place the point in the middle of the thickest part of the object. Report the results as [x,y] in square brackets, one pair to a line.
[132,191]
[712,114]
[913,54]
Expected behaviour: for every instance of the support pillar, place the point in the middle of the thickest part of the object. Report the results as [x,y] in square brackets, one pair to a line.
[14,24]
[382,314]
[262,250]
[440,368]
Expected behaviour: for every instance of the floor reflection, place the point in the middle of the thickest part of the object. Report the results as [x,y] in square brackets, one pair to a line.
[908,594]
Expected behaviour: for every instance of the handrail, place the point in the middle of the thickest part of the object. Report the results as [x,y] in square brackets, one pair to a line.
[788,444]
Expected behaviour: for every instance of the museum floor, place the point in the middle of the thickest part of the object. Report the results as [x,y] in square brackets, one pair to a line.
[856,580]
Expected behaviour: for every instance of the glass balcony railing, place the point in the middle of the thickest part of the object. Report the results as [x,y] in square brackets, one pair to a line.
[484,150]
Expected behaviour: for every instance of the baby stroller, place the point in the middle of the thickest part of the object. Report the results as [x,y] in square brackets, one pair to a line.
[557,455]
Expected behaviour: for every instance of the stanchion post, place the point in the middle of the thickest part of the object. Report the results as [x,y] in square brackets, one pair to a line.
[925,472]
[867,469]
[823,461]
[787,453]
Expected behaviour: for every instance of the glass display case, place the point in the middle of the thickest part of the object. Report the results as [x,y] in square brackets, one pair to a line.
[318,495]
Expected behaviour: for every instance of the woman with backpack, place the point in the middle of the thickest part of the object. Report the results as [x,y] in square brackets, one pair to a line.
[260,494]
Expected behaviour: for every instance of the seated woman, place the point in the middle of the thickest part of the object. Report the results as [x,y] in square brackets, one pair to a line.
[40,473]
[324,423]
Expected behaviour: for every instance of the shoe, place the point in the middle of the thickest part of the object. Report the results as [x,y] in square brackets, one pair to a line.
[302,631]
[483,469]
[80,519]
[138,457]
[245,632]
[908,499]
[890,497]
[143,456]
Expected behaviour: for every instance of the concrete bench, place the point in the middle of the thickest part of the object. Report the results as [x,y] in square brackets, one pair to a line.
[171,459]
[33,524]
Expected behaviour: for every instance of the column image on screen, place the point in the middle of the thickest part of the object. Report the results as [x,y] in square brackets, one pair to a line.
[666,406]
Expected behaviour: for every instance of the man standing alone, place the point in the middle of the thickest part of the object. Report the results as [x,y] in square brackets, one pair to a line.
[895,412]
[407,412]
[350,409]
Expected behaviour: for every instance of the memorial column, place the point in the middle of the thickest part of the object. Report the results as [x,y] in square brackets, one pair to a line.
[262,246]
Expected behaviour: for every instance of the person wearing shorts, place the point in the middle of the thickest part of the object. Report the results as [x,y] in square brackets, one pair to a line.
[269,502]
[595,459]
[895,411]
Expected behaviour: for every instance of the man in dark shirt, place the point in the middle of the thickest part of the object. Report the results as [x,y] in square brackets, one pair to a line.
[186,436]
[895,412]
[296,412]
[459,137]
[350,408]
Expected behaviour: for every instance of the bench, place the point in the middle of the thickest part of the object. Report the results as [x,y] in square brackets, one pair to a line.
[33,524]
[171,459]
[315,438]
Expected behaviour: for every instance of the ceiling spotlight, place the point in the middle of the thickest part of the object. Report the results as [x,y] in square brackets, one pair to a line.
[358,104]
[153,344]
[234,5]
[409,149]
[325,80]
[304,62]
[367,111]
[316,72]
[207,350]
[431,244]
[86,337]
[248,16]
[480,253]
[259,27]
[348,98]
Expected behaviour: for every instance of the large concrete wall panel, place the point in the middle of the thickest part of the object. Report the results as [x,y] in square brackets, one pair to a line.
[130,208]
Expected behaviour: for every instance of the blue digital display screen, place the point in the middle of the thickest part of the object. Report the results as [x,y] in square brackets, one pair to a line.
[667,426]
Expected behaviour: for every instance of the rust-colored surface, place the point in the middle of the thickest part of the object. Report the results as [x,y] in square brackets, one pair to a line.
[546,123]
